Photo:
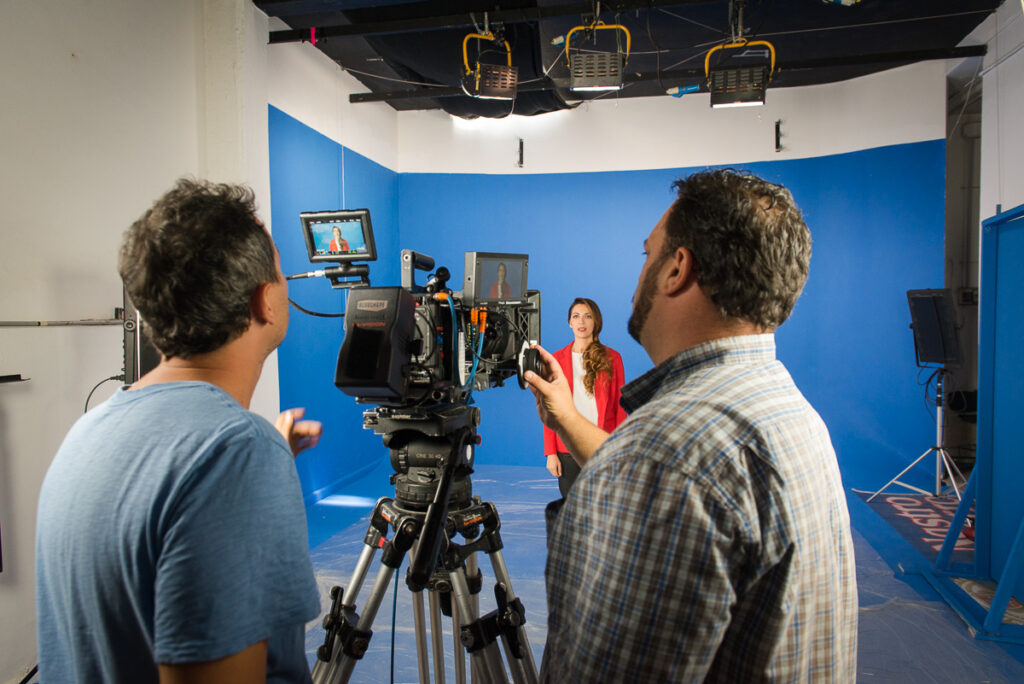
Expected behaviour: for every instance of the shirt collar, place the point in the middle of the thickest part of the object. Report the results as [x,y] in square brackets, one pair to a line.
[744,349]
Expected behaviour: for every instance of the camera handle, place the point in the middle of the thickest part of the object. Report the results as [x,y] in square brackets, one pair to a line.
[412,262]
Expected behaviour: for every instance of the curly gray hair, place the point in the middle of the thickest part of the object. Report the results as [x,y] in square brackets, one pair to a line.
[191,264]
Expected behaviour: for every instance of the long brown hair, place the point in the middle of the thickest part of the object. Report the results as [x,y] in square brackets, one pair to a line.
[595,358]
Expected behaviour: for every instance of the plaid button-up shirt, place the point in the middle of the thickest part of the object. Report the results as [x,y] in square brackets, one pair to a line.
[708,538]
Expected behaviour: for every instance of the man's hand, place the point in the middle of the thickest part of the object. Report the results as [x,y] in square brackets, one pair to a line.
[554,465]
[552,392]
[557,410]
[300,434]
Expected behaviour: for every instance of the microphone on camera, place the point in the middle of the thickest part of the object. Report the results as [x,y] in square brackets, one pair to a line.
[438,280]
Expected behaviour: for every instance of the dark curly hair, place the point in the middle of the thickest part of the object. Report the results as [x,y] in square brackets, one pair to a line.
[191,264]
[595,358]
[749,242]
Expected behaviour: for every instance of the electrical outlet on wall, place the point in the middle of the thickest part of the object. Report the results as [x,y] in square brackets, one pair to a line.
[968,295]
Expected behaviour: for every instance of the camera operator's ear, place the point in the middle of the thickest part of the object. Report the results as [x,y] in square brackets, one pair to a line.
[679,273]
[261,305]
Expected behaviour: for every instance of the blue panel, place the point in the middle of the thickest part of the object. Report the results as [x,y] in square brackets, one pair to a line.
[306,175]
[878,231]
[1000,393]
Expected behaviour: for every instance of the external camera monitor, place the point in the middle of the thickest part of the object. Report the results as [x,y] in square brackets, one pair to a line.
[339,236]
[495,278]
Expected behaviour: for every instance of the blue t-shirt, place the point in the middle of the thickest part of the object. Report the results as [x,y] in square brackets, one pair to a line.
[171,529]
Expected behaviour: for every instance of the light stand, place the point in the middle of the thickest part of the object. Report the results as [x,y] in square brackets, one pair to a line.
[943,461]
[935,342]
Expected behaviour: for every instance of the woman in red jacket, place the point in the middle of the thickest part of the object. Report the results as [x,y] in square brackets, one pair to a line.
[595,377]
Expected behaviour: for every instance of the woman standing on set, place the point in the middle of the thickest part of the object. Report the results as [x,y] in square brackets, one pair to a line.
[595,377]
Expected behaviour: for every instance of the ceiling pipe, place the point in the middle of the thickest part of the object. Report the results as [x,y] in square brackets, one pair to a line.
[452,21]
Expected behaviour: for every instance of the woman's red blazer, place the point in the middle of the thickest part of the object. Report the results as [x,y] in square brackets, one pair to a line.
[607,392]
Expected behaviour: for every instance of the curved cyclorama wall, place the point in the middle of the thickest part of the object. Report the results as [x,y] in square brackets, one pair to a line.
[876,218]
[865,159]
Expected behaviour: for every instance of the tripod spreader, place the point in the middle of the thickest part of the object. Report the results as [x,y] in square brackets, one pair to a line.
[341,621]
[503,622]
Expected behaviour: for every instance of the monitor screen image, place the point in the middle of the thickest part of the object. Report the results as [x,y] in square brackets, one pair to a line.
[495,277]
[505,278]
[339,236]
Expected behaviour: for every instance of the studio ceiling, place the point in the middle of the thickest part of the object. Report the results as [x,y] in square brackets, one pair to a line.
[410,53]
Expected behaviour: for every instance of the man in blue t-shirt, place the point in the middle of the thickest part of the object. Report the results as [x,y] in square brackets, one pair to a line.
[171,536]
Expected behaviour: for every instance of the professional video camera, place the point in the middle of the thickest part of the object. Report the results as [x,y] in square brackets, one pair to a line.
[422,345]
[418,353]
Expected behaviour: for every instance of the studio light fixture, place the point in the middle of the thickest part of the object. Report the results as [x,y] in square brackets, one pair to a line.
[489,81]
[741,75]
[596,71]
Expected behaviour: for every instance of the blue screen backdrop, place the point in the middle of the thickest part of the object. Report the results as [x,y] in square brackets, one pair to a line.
[876,217]
[306,174]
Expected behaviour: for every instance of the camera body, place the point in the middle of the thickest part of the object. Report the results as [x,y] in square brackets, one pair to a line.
[413,345]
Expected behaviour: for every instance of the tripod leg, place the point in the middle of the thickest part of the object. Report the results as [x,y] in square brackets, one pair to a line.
[359,575]
[352,641]
[895,480]
[339,669]
[457,649]
[351,592]
[487,658]
[436,637]
[519,654]
[421,636]
[474,598]
[952,471]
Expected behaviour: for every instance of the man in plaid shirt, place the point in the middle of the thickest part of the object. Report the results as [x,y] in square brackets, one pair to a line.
[707,538]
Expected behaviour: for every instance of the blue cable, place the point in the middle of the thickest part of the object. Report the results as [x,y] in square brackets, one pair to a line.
[455,332]
[468,387]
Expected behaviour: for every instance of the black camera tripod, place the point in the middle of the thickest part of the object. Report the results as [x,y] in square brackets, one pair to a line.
[432,454]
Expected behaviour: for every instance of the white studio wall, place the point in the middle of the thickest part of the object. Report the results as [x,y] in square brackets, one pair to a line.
[308,86]
[97,121]
[103,110]
[1002,109]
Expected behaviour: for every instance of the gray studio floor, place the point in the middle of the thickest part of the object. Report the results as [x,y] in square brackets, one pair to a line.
[907,633]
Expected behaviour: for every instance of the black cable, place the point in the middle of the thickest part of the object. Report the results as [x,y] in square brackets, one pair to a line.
[657,48]
[30,675]
[928,394]
[314,313]
[96,387]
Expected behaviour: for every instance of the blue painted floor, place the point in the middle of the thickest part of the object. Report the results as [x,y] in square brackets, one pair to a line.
[907,633]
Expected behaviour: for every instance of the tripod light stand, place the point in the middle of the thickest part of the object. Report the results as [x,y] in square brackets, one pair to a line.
[935,342]
[943,462]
